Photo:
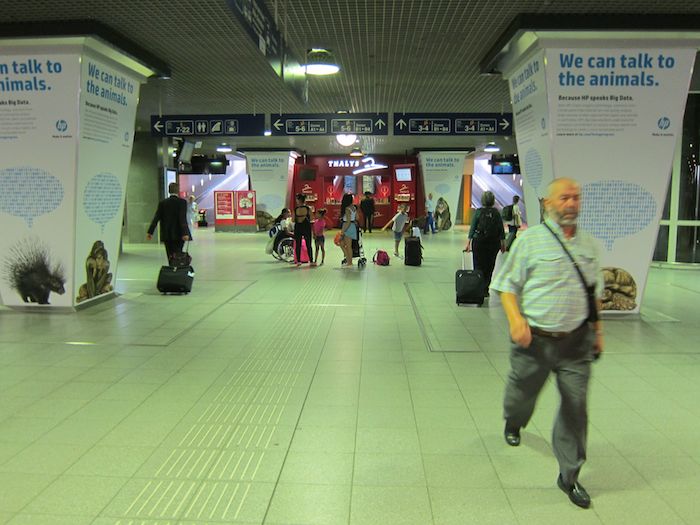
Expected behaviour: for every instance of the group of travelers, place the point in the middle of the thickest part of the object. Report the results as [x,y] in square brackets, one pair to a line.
[300,226]
[486,235]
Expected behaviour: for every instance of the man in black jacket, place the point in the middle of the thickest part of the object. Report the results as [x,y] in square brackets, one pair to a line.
[172,215]
[367,207]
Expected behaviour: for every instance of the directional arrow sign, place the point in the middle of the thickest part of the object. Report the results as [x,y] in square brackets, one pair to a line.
[329,124]
[453,124]
[206,125]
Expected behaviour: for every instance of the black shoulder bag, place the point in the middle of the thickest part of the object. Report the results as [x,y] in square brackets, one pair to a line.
[590,290]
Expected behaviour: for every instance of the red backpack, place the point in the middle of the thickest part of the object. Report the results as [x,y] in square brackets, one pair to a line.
[381,258]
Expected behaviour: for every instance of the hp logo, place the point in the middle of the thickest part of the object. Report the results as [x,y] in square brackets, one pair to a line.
[61,125]
[664,123]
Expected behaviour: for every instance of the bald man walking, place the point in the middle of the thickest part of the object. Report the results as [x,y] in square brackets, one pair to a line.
[548,287]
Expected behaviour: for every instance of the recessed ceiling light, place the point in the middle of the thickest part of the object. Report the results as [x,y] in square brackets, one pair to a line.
[224,148]
[491,147]
[267,133]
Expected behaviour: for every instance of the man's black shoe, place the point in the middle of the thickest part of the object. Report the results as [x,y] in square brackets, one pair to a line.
[577,494]
[512,436]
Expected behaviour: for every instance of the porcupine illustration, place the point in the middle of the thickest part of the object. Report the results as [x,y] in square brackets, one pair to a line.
[28,270]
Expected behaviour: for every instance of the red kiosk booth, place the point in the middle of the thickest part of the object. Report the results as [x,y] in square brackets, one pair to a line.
[390,180]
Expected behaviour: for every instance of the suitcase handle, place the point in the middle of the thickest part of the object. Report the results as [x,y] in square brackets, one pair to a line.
[464,259]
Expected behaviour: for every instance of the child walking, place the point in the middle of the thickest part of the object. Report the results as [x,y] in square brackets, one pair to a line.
[318,227]
[399,222]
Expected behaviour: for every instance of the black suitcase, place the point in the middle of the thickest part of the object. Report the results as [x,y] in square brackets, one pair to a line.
[413,251]
[470,285]
[173,279]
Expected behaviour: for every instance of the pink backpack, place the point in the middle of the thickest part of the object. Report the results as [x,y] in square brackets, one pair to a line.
[381,258]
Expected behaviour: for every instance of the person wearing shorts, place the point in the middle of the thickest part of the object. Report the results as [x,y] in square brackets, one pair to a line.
[318,227]
[398,225]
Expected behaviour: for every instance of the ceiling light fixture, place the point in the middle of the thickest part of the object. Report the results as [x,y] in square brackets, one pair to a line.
[224,148]
[346,140]
[320,61]
[491,147]
[267,132]
[356,152]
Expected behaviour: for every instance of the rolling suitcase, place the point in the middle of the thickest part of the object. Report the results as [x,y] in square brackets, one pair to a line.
[469,284]
[413,251]
[175,279]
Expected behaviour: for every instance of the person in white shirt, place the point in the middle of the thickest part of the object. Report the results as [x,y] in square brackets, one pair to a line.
[429,211]
[399,221]
[515,223]
[192,210]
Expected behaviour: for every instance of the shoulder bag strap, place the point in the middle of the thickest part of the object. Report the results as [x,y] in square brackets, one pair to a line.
[576,266]
[590,290]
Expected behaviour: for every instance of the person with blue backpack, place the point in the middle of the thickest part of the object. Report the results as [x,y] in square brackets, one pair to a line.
[486,237]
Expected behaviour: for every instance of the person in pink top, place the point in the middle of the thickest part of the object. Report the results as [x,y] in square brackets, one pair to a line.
[318,227]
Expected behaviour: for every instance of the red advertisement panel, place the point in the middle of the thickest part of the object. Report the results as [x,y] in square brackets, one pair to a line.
[245,206]
[223,207]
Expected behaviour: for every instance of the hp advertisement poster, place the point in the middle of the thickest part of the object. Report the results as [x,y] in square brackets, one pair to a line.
[442,176]
[269,177]
[617,115]
[611,121]
[108,101]
[38,135]
[528,90]
[66,131]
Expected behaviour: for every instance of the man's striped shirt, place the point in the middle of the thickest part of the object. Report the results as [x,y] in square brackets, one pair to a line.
[539,272]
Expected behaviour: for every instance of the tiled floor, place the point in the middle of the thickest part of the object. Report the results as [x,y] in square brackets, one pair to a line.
[300,396]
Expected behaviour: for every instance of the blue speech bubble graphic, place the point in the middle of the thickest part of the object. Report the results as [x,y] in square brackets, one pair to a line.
[102,198]
[534,168]
[29,192]
[443,189]
[612,209]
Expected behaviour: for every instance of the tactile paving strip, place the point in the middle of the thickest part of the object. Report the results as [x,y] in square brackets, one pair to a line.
[237,442]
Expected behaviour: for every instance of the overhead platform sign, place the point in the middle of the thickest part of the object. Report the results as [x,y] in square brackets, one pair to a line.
[490,124]
[207,125]
[329,124]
